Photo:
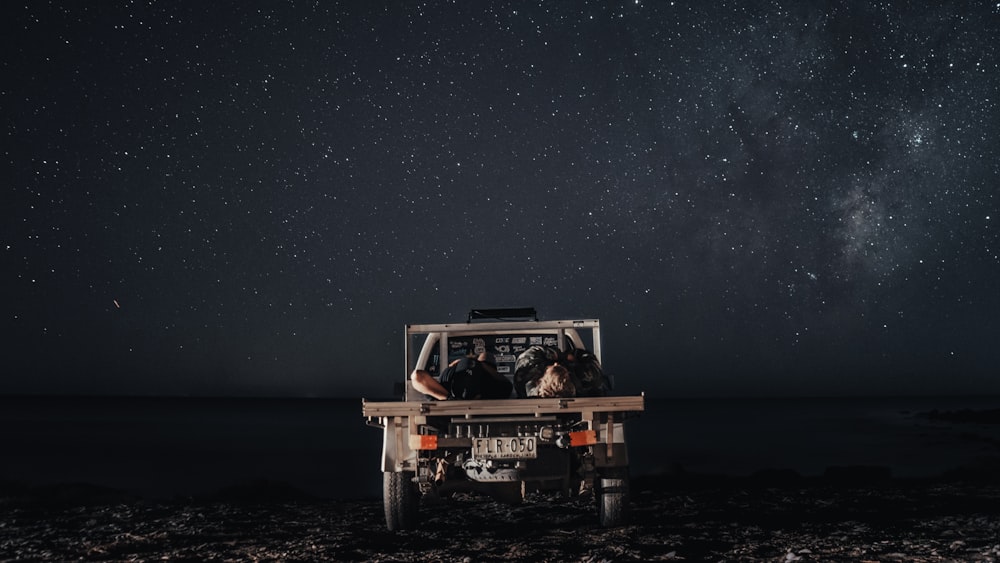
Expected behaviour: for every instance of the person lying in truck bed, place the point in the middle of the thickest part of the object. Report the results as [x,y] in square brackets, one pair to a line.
[464,378]
[544,371]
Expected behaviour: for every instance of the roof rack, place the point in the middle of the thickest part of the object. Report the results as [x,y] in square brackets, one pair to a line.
[523,313]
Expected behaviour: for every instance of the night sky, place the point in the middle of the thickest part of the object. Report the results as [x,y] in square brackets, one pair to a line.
[756,198]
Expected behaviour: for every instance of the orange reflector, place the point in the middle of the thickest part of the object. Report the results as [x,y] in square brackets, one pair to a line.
[423,442]
[583,438]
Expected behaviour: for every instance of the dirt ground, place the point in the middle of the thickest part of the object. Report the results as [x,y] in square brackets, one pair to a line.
[700,520]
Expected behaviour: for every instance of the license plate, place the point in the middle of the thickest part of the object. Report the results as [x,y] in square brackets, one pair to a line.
[505,447]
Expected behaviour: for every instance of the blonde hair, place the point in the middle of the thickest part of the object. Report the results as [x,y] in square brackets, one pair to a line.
[555,382]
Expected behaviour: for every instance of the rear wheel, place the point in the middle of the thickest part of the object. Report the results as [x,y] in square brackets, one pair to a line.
[611,490]
[401,499]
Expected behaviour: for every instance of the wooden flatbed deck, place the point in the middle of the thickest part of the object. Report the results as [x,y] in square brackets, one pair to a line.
[536,407]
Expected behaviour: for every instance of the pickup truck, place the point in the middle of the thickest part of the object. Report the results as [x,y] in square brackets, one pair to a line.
[503,448]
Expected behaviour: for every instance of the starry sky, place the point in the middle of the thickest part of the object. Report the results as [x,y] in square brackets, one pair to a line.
[253,198]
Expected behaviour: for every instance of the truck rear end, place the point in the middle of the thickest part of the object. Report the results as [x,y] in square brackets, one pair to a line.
[501,447]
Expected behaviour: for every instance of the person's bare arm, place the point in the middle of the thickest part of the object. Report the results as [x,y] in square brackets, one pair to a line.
[425,383]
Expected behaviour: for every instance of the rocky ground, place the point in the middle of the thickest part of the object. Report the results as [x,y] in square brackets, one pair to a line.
[770,518]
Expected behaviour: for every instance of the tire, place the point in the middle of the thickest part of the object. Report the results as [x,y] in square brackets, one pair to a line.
[401,500]
[611,491]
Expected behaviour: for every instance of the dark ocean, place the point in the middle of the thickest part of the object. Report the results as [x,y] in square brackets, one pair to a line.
[165,447]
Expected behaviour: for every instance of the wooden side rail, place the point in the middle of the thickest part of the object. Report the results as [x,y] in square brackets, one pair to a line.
[536,407]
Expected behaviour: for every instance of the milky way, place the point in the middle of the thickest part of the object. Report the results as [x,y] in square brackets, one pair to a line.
[766,198]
